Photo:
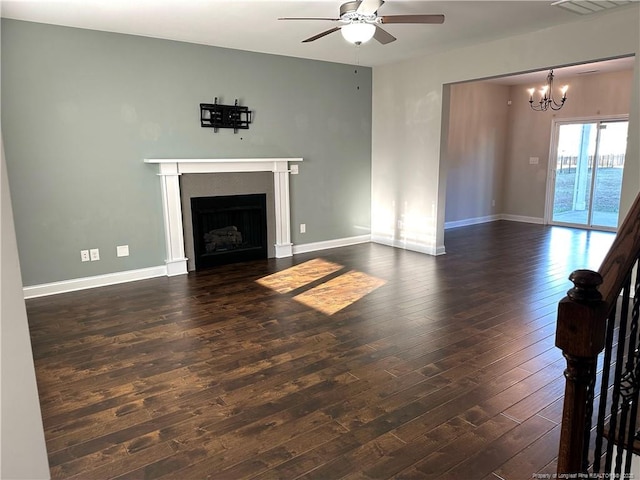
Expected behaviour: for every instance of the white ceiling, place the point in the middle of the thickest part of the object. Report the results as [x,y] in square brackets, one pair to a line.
[252,24]
[536,79]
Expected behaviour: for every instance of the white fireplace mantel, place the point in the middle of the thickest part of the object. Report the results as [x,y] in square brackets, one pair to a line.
[172,168]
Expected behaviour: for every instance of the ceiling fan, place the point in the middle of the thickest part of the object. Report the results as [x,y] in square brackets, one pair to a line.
[361,22]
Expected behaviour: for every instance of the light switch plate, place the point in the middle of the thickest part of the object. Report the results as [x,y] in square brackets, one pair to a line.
[122,250]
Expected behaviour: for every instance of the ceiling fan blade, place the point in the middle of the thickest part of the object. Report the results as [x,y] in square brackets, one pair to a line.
[309,18]
[412,19]
[369,7]
[383,36]
[320,35]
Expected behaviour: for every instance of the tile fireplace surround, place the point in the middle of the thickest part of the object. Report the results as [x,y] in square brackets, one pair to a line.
[172,168]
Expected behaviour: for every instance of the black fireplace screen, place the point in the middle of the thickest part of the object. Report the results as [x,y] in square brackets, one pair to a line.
[229,229]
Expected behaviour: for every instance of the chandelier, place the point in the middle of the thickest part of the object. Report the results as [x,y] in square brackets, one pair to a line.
[546,96]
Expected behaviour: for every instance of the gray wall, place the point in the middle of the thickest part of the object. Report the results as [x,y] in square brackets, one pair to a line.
[82,109]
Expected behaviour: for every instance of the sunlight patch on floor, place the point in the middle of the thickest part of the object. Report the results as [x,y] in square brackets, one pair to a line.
[340,292]
[299,275]
[328,297]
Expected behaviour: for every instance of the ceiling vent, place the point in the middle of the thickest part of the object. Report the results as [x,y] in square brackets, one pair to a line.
[586,7]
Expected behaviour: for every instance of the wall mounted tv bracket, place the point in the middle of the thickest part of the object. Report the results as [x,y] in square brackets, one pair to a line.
[217,116]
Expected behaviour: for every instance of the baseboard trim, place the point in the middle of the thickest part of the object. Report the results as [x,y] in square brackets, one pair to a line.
[408,245]
[327,244]
[75,284]
[471,221]
[284,250]
[493,218]
[522,219]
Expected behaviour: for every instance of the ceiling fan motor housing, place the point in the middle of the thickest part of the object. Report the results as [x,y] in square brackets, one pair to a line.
[348,12]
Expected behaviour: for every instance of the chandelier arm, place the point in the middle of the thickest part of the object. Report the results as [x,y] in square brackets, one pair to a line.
[539,106]
[556,106]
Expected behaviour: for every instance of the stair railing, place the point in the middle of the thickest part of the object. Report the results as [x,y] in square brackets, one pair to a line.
[597,331]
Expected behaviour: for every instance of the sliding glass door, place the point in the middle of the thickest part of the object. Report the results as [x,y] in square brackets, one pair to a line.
[585,180]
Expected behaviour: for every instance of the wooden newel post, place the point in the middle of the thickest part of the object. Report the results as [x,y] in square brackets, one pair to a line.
[580,334]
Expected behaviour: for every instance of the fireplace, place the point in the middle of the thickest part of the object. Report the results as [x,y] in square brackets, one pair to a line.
[229,229]
[170,170]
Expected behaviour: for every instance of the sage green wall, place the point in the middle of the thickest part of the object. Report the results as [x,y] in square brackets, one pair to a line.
[82,109]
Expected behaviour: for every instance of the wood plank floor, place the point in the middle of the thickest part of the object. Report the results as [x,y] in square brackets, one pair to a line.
[361,362]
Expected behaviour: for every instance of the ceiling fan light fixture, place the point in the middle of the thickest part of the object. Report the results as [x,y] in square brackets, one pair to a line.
[358,32]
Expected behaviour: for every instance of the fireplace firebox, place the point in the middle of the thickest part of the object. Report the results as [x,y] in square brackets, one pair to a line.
[229,229]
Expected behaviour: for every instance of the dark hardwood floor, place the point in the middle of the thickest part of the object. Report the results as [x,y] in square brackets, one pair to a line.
[361,362]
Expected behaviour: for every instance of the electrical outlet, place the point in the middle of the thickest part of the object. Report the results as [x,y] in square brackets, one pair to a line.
[534,160]
[303,228]
[122,250]
[94,254]
[84,255]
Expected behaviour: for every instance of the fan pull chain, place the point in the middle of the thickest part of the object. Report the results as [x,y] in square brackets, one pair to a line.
[357,63]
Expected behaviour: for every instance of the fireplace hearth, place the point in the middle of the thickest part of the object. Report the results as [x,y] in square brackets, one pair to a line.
[229,229]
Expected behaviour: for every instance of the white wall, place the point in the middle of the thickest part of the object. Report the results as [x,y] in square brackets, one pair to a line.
[23,453]
[408,176]
[475,150]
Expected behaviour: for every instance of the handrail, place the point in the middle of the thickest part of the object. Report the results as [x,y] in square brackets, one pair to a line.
[622,255]
[586,324]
